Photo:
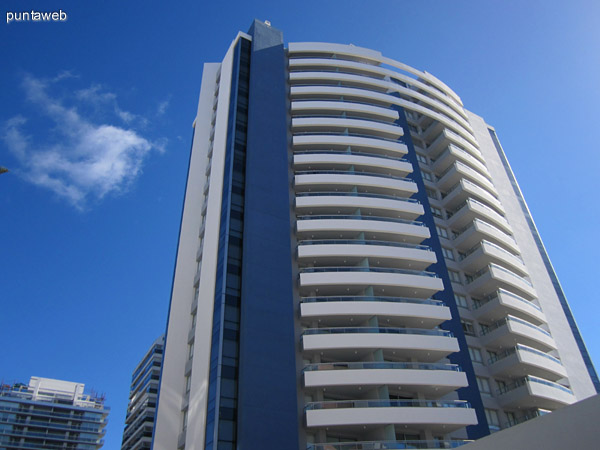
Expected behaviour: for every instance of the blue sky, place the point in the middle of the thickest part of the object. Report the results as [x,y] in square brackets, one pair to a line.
[95,127]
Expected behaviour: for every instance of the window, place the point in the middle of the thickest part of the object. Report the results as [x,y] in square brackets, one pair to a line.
[448,254]
[442,232]
[190,350]
[427,176]
[501,386]
[468,327]
[422,158]
[475,355]
[484,385]
[184,416]
[511,418]
[492,417]
[437,212]
[492,357]
[413,129]
[454,276]
[461,301]
[431,193]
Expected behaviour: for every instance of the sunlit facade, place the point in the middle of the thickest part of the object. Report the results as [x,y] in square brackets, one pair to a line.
[357,267]
[51,414]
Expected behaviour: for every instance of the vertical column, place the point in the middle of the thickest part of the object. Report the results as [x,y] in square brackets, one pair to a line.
[267,402]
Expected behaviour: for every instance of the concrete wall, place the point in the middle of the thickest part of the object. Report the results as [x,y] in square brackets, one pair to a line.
[572,427]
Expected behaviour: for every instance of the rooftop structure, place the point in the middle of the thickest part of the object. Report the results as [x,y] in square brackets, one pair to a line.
[51,414]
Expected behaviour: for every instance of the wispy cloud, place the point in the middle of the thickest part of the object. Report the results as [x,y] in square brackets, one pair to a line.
[85,160]
[161,109]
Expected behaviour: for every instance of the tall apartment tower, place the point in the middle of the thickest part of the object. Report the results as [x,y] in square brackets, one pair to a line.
[139,422]
[51,414]
[357,267]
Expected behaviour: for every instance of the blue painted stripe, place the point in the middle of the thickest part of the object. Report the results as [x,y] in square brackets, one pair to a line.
[470,393]
[268,405]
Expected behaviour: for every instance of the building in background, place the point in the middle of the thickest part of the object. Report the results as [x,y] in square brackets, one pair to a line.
[357,267]
[139,422]
[51,414]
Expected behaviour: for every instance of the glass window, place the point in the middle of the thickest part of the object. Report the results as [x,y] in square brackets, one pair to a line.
[431,193]
[422,158]
[437,212]
[184,416]
[475,355]
[454,276]
[468,327]
[427,175]
[448,254]
[442,232]
[484,385]
[492,417]
[461,301]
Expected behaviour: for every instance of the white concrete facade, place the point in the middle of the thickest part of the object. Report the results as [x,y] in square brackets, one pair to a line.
[374,348]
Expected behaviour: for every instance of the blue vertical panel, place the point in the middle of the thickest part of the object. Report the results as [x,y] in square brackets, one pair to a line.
[267,401]
[221,417]
[462,358]
[551,273]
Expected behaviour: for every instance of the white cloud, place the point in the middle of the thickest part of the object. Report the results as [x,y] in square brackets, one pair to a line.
[86,160]
[162,107]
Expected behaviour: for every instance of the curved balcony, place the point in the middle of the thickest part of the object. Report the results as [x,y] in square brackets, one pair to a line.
[522,360]
[453,154]
[389,228]
[371,58]
[349,202]
[457,171]
[496,277]
[503,303]
[486,253]
[388,445]
[320,180]
[348,378]
[344,141]
[465,189]
[351,125]
[355,343]
[434,415]
[480,230]
[373,97]
[374,71]
[380,86]
[530,391]
[317,107]
[472,209]
[332,311]
[353,252]
[343,160]
[511,331]
[385,281]
[431,380]
[447,138]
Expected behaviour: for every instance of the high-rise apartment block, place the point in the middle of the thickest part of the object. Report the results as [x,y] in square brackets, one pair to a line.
[139,423]
[357,268]
[50,414]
